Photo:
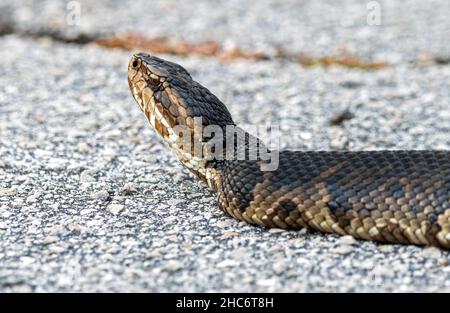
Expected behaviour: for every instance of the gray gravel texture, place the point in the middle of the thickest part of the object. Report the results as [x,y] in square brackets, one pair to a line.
[91,200]
[408,28]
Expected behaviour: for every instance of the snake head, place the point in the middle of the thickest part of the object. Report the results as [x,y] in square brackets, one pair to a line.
[159,87]
[168,95]
[172,101]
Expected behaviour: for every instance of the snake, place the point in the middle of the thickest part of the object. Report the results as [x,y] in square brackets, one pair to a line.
[388,196]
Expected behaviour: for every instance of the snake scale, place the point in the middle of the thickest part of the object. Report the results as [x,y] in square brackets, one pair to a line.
[387,196]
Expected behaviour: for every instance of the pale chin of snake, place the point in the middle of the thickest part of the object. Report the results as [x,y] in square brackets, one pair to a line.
[386,196]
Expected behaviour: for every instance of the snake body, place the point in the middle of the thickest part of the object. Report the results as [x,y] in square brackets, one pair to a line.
[386,196]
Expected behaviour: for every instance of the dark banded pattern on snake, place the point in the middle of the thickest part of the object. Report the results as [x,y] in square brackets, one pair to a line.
[387,196]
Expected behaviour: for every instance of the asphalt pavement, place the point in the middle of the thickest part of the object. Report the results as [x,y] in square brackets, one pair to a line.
[91,199]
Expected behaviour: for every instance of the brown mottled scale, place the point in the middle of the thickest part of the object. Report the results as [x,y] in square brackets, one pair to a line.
[388,196]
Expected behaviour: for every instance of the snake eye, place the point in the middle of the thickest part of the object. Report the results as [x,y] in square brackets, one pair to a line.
[135,63]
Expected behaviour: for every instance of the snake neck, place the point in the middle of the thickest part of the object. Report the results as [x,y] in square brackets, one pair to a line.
[205,150]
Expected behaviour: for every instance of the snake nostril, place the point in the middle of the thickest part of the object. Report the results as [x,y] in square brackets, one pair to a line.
[135,63]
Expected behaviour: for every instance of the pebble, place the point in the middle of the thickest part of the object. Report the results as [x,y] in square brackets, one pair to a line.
[224,223]
[86,177]
[279,267]
[56,249]
[171,220]
[347,240]
[50,239]
[74,227]
[83,147]
[153,253]
[383,270]
[227,263]
[187,245]
[115,208]
[338,143]
[266,282]
[386,248]
[276,230]
[229,234]
[25,260]
[32,199]
[174,265]
[129,188]
[175,202]
[8,191]
[56,164]
[109,154]
[431,252]
[343,249]
[86,212]
[101,195]
[5,214]
[305,136]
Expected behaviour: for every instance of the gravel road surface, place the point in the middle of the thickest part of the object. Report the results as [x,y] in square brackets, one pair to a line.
[91,200]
